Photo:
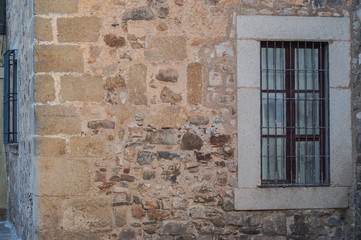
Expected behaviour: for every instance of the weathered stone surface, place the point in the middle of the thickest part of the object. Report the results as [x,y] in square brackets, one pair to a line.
[141,13]
[168,116]
[299,227]
[198,120]
[168,96]
[99,177]
[163,136]
[81,88]
[137,84]
[204,199]
[120,216]
[275,225]
[165,48]
[57,119]
[56,234]
[62,177]
[125,177]
[236,219]
[250,231]
[56,6]
[78,29]
[145,158]
[150,229]
[191,141]
[149,175]
[168,155]
[168,75]
[197,212]
[58,58]
[112,83]
[227,204]
[194,83]
[43,29]
[49,213]
[173,228]
[113,41]
[89,213]
[86,147]
[50,147]
[44,88]
[158,215]
[219,140]
[126,234]
[203,157]
[334,221]
[138,212]
[98,124]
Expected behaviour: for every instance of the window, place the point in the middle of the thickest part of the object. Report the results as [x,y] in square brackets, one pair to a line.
[315,113]
[10,97]
[294,114]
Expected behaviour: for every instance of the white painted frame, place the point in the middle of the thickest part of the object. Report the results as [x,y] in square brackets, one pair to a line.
[250,31]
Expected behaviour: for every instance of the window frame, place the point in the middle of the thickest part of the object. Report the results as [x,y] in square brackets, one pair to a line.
[249,194]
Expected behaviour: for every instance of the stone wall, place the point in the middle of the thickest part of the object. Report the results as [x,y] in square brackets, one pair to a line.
[20,160]
[136,122]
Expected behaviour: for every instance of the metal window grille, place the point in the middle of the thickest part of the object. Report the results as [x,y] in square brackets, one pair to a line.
[294,114]
[10,97]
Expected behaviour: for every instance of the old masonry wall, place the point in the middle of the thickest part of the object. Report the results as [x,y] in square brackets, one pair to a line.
[136,121]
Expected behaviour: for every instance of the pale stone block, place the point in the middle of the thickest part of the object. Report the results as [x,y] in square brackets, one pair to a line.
[86,147]
[78,29]
[43,29]
[48,212]
[248,137]
[62,177]
[56,6]
[248,63]
[194,83]
[44,88]
[291,198]
[165,48]
[58,58]
[340,137]
[81,88]
[137,85]
[50,147]
[293,28]
[168,116]
[339,60]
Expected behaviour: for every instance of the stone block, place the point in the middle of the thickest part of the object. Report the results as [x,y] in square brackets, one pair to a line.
[168,75]
[194,83]
[165,48]
[58,58]
[78,29]
[137,77]
[127,234]
[87,213]
[138,212]
[168,116]
[62,177]
[86,147]
[113,41]
[140,13]
[198,120]
[168,96]
[44,88]
[191,141]
[173,228]
[81,88]
[48,212]
[98,124]
[56,6]
[163,136]
[120,216]
[43,29]
[57,119]
[50,147]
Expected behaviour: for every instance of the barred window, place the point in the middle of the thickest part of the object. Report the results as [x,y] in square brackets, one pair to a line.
[294,114]
[10,97]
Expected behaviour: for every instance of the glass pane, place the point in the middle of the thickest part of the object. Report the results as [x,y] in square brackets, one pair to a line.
[273,68]
[307,162]
[306,69]
[273,114]
[273,158]
[307,113]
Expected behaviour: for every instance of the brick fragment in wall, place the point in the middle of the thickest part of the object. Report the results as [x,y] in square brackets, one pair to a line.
[57,119]
[137,77]
[58,58]
[85,88]
[56,6]
[78,29]
[194,83]
[43,29]
[165,48]
[44,88]
[114,41]
[167,75]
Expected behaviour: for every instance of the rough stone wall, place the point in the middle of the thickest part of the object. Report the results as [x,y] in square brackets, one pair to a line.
[136,122]
[20,160]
